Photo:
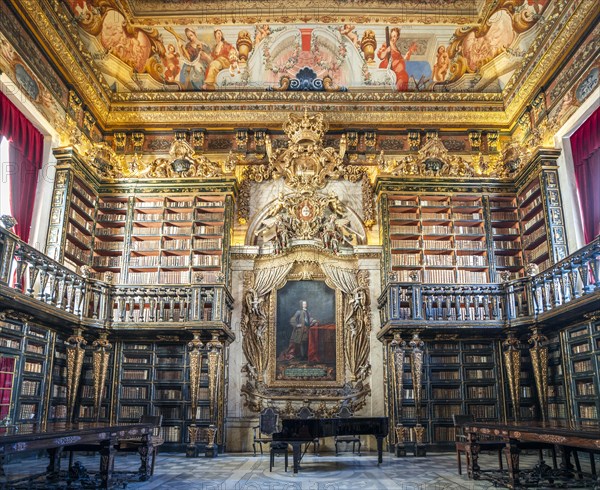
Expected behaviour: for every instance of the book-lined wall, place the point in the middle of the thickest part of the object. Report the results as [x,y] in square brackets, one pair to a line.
[464,239]
[582,360]
[139,238]
[26,358]
[153,379]
[449,237]
[460,377]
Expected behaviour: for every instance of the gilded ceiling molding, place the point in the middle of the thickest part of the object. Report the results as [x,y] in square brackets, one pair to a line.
[143,12]
[305,97]
[519,93]
[92,92]
[276,116]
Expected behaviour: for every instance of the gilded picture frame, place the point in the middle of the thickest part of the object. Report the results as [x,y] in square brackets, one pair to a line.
[314,365]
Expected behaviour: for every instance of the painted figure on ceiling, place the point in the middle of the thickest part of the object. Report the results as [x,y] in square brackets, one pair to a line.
[440,68]
[393,59]
[220,60]
[171,62]
[349,31]
[195,60]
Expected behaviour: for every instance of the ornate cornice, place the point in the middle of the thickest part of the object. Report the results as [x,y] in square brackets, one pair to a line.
[249,116]
[550,48]
[54,41]
[144,12]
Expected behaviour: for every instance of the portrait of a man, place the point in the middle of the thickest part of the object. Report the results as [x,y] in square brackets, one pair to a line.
[306,332]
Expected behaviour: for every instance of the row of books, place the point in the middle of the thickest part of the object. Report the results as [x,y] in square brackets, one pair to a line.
[580,348]
[508,260]
[83,191]
[585,388]
[30,387]
[533,204]
[504,215]
[536,253]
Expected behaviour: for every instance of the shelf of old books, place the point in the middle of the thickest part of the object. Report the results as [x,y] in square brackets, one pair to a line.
[506,235]
[57,411]
[81,216]
[154,380]
[24,357]
[533,226]
[109,236]
[438,238]
[583,353]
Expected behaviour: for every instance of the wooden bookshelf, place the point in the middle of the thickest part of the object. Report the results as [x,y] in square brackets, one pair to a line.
[26,352]
[438,238]
[506,235]
[534,234]
[81,216]
[154,379]
[582,345]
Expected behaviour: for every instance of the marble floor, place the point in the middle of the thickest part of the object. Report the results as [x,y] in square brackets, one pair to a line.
[437,471]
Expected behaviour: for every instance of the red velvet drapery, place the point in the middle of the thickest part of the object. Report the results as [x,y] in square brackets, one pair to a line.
[585,146]
[25,162]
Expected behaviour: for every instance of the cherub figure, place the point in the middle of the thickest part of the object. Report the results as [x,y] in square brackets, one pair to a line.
[440,68]
[348,30]
[262,31]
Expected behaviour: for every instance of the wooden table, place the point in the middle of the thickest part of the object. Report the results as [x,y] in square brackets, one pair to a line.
[56,437]
[565,437]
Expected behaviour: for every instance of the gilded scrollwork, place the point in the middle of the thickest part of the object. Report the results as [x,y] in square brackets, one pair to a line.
[434,160]
[100,361]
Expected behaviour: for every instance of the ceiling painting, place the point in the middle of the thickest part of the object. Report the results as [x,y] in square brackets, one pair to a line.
[355,57]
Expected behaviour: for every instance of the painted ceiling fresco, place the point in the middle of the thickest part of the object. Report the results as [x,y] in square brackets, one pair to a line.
[175,56]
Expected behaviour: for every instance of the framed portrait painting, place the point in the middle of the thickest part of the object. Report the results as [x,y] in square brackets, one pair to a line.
[307,346]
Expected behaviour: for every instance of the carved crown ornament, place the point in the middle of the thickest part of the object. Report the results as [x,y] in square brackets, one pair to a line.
[305,165]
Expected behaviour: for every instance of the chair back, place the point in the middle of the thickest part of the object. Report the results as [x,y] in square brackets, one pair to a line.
[344,413]
[305,413]
[459,421]
[269,421]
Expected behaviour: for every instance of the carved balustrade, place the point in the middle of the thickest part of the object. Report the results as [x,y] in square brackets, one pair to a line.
[28,272]
[181,304]
[570,279]
[574,278]
[25,269]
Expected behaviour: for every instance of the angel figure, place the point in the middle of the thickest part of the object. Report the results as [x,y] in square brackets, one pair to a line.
[254,303]
[335,204]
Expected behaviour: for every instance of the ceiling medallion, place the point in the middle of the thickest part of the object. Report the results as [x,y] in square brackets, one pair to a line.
[305,165]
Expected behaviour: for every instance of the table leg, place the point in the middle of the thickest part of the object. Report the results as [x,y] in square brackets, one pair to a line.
[512,455]
[472,450]
[107,456]
[53,468]
[145,451]
[379,449]
[296,446]
[565,461]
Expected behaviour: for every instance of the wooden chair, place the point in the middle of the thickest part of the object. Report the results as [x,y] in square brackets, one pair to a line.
[259,437]
[345,413]
[133,445]
[462,443]
[268,424]
[307,413]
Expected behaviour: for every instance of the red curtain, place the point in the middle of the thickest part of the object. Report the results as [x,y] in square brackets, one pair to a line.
[585,145]
[25,162]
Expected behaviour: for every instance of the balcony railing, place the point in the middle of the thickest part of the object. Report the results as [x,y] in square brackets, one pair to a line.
[34,279]
[570,280]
